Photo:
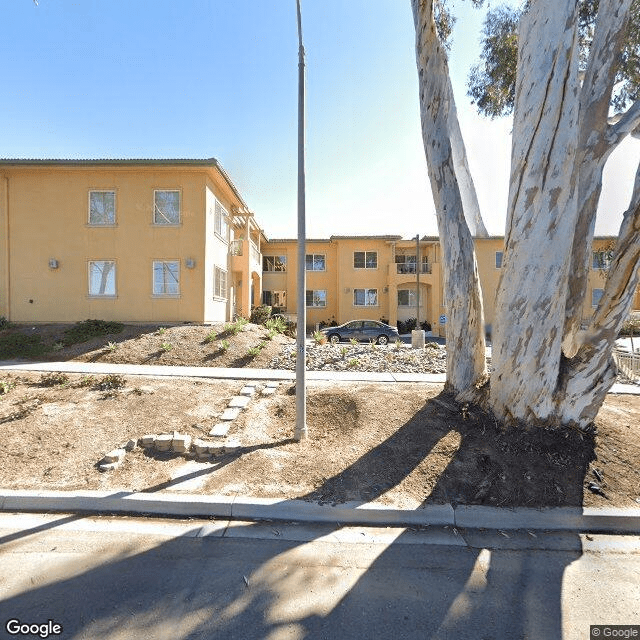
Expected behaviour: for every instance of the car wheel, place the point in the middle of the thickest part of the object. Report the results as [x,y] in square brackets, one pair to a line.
[383,339]
[334,338]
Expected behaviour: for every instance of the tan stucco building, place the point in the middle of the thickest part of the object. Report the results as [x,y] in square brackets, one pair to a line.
[174,241]
[133,240]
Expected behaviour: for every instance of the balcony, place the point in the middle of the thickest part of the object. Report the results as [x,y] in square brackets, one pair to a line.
[410,267]
[235,248]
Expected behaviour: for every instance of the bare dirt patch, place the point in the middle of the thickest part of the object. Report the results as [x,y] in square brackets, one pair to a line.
[400,444]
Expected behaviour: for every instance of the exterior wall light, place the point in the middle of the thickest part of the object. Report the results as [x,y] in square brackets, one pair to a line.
[53,263]
[190,263]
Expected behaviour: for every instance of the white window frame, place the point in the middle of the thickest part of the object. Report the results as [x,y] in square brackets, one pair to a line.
[318,298]
[157,220]
[601,260]
[499,261]
[411,297]
[366,261]
[274,269]
[595,298]
[165,294]
[367,294]
[90,270]
[94,223]
[220,222]
[220,280]
[313,261]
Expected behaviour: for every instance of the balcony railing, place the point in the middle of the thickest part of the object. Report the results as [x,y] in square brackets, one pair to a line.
[235,248]
[255,255]
[409,267]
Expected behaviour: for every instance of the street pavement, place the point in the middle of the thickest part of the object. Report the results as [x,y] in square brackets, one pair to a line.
[123,579]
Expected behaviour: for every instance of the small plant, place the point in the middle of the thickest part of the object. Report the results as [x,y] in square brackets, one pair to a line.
[53,379]
[4,323]
[276,324]
[253,351]
[398,344]
[110,382]
[111,346]
[6,386]
[161,331]
[343,352]
[354,362]
[166,346]
[271,334]
[86,381]
[260,314]
[224,345]
[236,327]
[353,341]
[319,337]
[58,346]
[211,337]
[372,345]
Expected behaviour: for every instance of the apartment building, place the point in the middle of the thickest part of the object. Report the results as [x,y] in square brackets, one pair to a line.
[389,278]
[132,240]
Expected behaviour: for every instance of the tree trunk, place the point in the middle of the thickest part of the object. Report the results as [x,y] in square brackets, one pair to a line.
[446,157]
[530,304]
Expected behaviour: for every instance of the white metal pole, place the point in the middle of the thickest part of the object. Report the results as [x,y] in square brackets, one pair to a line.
[301,352]
[418,281]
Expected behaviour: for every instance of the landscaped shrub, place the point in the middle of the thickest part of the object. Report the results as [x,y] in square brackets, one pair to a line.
[260,314]
[4,323]
[87,329]
[407,326]
[425,326]
[18,345]
[631,326]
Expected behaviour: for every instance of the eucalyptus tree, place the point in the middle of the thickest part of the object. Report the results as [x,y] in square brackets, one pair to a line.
[568,70]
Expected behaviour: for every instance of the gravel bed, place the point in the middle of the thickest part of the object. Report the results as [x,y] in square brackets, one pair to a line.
[365,357]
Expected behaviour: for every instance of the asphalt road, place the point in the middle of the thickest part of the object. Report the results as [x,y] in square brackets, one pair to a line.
[122,578]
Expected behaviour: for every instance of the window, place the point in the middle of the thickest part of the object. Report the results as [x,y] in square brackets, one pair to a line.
[220,222]
[317,298]
[166,207]
[365,259]
[274,263]
[406,298]
[596,294]
[102,207]
[102,278]
[315,262]
[365,297]
[276,299]
[219,283]
[602,259]
[166,278]
[499,259]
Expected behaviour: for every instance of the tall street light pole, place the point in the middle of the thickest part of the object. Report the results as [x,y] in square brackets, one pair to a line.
[301,353]
[418,281]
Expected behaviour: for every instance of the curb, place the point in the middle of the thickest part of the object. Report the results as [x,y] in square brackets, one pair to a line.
[584,520]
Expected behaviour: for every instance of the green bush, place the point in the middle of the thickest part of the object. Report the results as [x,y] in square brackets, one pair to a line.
[53,379]
[4,323]
[18,345]
[631,326]
[260,314]
[87,329]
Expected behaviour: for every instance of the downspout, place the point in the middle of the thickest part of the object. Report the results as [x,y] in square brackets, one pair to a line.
[7,282]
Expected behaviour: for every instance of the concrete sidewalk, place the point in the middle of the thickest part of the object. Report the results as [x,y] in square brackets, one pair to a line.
[98,368]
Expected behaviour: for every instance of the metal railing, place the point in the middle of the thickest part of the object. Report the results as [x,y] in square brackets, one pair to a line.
[410,267]
[235,248]
[628,365]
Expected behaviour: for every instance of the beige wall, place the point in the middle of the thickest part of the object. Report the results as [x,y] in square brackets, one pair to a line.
[46,211]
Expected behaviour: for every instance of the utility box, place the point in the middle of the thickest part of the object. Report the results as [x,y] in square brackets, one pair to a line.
[417,339]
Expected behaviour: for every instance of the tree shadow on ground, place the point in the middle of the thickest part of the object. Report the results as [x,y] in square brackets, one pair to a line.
[210,587]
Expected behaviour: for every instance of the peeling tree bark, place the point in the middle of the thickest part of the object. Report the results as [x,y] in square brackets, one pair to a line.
[446,160]
[530,304]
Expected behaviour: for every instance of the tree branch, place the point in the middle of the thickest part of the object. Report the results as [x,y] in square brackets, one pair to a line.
[624,124]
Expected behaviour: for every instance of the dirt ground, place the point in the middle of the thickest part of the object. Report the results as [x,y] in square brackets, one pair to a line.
[400,444]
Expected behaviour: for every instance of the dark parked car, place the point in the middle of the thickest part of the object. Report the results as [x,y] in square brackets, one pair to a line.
[363,331]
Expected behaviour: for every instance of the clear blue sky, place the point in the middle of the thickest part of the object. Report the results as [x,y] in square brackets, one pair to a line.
[218,78]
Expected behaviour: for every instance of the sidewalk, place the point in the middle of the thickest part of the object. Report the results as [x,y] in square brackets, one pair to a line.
[229,373]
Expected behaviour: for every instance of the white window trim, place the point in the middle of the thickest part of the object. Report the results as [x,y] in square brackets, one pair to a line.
[115,209]
[153,214]
[365,261]
[410,303]
[153,280]
[316,306]
[324,255]
[102,296]
[225,220]
[216,270]
[365,297]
